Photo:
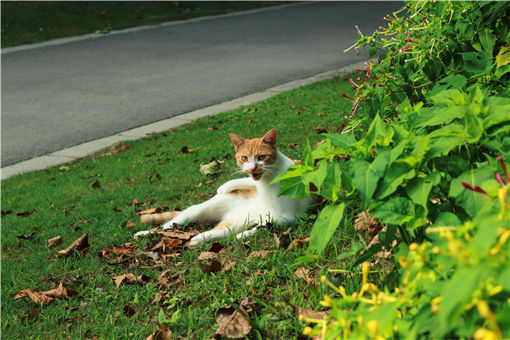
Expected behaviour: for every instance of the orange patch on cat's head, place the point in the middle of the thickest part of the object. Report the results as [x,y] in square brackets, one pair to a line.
[259,149]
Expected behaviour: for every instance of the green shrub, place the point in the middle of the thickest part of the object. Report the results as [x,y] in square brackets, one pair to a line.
[430,127]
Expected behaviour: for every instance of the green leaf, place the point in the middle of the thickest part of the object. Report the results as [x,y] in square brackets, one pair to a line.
[447,219]
[379,133]
[395,175]
[444,139]
[366,175]
[397,211]
[503,57]
[161,316]
[325,150]
[418,189]
[328,220]
[456,293]
[448,97]
[487,39]
[477,63]
[436,116]
[316,177]
[342,140]
[469,200]
[332,182]
[474,127]
[291,183]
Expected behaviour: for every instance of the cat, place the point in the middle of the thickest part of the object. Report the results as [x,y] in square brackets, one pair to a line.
[241,204]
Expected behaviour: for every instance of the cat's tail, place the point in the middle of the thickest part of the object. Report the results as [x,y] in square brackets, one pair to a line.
[158,218]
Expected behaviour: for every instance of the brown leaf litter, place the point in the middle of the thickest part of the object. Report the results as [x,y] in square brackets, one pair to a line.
[47,296]
[81,245]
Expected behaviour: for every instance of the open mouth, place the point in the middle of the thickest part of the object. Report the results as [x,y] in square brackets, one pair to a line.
[256,176]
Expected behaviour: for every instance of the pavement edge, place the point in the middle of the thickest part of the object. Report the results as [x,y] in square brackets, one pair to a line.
[83,150]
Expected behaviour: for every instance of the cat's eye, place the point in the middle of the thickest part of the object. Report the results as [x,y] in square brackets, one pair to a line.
[261,157]
[244,158]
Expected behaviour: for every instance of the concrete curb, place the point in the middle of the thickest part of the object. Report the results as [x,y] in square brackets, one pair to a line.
[86,149]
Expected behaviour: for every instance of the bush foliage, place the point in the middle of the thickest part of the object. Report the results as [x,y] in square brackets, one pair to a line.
[425,147]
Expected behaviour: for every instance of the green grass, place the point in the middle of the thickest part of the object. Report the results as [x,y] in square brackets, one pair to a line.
[25,22]
[68,206]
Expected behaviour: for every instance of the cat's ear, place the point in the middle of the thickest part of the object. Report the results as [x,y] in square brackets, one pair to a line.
[237,140]
[270,137]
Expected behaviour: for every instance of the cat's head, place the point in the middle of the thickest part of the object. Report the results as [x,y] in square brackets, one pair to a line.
[255,156]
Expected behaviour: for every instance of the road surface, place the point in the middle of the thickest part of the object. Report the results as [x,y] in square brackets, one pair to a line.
[58,96]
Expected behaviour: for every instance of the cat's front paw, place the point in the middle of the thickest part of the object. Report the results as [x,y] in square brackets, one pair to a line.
[196,241]
[143,233]
[168,225]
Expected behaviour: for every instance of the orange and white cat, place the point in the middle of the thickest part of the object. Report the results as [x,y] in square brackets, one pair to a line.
[241,204]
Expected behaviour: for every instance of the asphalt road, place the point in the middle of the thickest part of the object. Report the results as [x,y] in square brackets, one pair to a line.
[55,97]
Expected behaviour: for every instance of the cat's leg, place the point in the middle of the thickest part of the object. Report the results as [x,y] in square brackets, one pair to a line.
[237,184]
[207,212]
[221,230]
[246,233]
[155,219]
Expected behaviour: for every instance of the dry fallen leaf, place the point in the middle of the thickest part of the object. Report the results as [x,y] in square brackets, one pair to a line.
[208,255]
[95,184]
[185,150]
[6,212]
[304,273]
[234,326]
[258,253]
[154,175]
[213,266]
[27,236]
[126,248]
[26,213]
[166,282]
[53,242]
[306,312]
[129,311]
[366,222]
[163,333]
[167,243]
[81,245]
[128,278]
[122,148]
[46,297]
[299,242]
[149,211]
[320,129]
[210,168]
[282,239]
[181,235]
[128,225]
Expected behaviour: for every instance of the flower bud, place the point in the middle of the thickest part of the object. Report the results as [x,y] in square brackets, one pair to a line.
[307,331]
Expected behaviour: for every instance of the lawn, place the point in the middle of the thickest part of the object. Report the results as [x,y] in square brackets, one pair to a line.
[101,196]
[25,22]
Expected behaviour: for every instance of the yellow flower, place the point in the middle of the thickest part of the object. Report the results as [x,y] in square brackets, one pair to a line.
[484,334]
[483,309]
[495,290]
[327,302]
[372,326]
[307,331]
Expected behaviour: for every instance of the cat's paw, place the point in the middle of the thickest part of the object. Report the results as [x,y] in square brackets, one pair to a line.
[168,225]
[196,241]
[142,233]
[246,233]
